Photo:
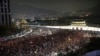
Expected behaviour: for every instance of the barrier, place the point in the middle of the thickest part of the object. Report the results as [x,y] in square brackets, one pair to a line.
[18,35]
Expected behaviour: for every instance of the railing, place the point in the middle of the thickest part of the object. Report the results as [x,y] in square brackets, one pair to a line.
[18,35]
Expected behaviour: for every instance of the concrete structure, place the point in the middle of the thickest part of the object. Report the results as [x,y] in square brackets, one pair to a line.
[5,15]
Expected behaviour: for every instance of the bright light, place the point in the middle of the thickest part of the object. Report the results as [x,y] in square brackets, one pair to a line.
[75,27]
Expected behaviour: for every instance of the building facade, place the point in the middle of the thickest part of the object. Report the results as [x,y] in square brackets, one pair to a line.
[78,22]
[5,15]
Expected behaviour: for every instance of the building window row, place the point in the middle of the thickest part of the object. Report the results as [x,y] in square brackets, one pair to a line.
[3,1]
[3,5]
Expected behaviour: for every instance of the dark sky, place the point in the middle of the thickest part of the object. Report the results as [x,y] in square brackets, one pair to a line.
[56,5]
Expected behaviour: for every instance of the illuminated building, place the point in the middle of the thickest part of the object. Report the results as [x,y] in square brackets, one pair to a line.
[22,23]
[78,23]
[5,15]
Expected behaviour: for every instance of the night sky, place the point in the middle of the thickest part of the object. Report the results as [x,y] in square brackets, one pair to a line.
[26,7]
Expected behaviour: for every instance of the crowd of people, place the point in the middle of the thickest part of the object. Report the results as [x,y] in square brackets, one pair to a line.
[62,41]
